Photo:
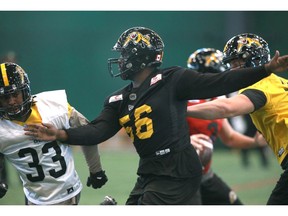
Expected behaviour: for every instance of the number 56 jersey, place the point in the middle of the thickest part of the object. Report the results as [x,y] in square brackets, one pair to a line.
[46,168]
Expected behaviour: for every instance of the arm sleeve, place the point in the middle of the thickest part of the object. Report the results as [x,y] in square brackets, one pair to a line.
[257,97]
[91,153]
[195,85]
[97,131]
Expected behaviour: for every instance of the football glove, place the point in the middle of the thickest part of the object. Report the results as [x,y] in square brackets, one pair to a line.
[108,200]
[97,180]
[3,189]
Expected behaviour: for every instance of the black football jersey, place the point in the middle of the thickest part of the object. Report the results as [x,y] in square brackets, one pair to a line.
[154,116]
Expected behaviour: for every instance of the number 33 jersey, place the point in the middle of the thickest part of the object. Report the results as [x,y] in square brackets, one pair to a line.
[46,168]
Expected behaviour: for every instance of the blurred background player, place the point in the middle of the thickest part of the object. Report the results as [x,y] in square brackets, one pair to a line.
[46,168]
[213,190]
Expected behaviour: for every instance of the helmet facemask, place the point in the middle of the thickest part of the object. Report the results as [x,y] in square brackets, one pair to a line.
[13,79]
[139,48]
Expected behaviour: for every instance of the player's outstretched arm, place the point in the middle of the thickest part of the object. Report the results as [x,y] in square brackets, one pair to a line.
[222,108]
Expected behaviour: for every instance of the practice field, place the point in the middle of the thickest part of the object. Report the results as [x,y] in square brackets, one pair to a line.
[253,185]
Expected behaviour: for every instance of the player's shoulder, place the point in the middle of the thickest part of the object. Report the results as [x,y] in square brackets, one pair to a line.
[118,95]
[52,97]
[51,94]
[174,70]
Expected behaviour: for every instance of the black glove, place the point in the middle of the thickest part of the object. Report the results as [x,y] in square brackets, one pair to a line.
[97,180]
[3,189]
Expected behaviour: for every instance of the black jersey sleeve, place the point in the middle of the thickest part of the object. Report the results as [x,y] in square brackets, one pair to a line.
[100,129]
[195,85]
[257,97]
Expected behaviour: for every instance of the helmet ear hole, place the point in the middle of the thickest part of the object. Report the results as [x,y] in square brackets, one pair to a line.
[134,50]
[143,65]
[129,65]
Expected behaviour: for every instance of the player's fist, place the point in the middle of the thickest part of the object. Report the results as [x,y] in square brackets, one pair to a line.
[97,180]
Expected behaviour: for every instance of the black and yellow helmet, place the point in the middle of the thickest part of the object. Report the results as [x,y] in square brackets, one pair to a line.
[139,47]
[206,60]
[249,47]
[13,79]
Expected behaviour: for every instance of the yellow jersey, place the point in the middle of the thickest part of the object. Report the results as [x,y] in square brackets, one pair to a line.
[272,119]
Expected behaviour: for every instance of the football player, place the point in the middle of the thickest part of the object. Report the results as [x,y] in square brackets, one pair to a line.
[266,102]
[153,109]
[213,190]
[46,168]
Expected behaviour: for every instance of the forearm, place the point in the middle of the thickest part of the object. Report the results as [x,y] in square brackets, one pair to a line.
[91,153]
[207,110]
[234,139]
[239,140]
[222,108]
[92,158]
[61,136]
[91,134]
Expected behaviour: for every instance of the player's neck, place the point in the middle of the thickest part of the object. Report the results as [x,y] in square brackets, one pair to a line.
[140,77]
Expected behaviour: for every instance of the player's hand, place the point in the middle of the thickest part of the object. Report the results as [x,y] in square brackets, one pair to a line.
[44,131]
[3,189]
[260,140]
[277,64]
[197,141]
[97,180]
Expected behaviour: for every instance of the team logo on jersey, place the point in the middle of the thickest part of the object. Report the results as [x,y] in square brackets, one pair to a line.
[70,190]
[115,98]
[156,79]
[132,96]
[281,151]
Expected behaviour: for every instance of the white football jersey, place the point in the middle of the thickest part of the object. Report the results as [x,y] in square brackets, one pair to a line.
[45,168]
